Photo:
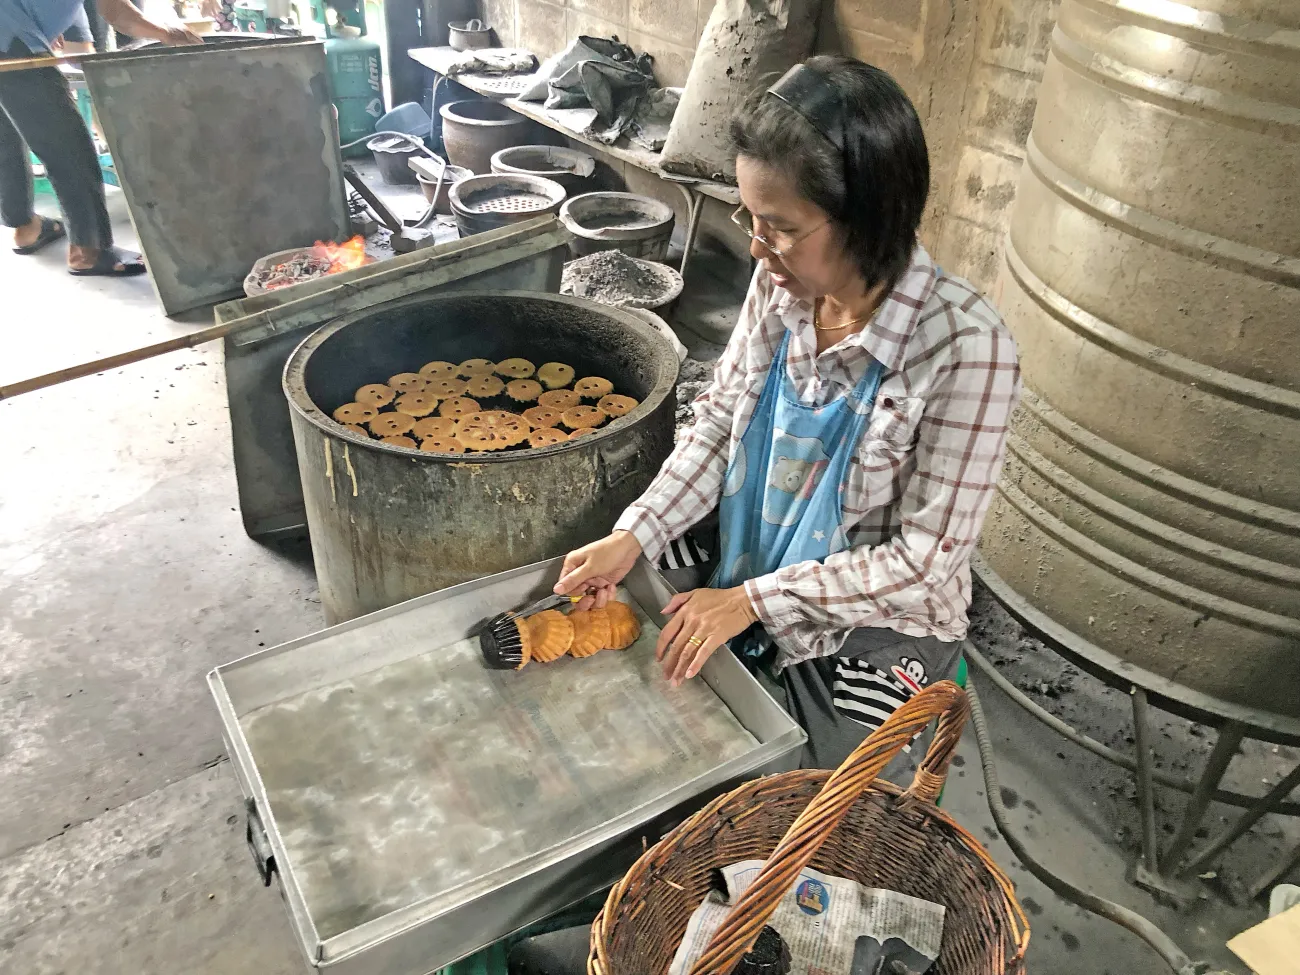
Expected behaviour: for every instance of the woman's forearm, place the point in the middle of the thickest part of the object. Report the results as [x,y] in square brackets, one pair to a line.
[122,15]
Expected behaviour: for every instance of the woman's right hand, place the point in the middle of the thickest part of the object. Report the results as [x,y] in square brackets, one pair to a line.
[598,568]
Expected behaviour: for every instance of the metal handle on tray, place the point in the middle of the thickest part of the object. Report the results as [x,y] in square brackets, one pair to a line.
[810,829]
[258,844]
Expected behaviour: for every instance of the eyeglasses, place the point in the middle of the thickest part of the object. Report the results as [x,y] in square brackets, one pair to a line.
[743,219]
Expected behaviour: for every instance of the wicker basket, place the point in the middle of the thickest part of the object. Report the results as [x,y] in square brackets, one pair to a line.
[844,823]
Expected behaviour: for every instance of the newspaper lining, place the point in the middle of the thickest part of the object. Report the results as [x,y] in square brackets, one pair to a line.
[832,926]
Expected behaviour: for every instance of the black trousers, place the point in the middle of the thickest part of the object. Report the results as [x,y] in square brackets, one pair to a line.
[37,110]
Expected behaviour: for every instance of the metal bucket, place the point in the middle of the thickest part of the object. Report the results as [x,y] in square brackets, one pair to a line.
[639,226]
[388,523]
[1151,499]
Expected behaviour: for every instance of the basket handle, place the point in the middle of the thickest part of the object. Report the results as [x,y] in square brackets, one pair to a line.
[810,829]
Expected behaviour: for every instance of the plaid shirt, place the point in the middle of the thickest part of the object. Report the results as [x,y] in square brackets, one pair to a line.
[921,477]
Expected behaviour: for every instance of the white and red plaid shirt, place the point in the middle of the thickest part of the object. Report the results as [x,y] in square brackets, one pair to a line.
[921,478]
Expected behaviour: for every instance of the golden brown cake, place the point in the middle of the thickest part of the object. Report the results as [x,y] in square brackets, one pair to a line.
[355,413]
[437,427]
[399,442]
[439,369]
[515,368]
[552,635]
[559,399]
[475,367]
[391,424]
[408,382]
[616,405]
[524,390]
[376,394]
[457,406]
[546,437]
[555,375]
[485,387]
[582,417]
[442,445]
[591,632]
[624,626]
[416,404]
[593,387]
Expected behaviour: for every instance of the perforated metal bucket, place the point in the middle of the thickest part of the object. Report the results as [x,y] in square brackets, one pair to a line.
[494,200]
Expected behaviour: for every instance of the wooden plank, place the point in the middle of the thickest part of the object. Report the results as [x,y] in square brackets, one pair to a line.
[1271,947]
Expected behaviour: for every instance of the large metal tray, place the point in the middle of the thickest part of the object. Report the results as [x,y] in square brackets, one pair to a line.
[417,806]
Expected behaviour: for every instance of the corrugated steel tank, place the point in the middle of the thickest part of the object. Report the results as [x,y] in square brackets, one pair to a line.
[1151,498]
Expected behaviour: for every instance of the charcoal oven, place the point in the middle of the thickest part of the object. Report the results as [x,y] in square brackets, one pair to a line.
[389,523]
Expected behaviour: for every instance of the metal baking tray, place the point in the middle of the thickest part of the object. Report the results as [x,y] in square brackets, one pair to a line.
[417,806]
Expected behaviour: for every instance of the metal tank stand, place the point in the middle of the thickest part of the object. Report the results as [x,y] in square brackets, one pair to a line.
[1162,872]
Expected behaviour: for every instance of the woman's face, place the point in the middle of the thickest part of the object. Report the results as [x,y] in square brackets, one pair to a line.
[812,261]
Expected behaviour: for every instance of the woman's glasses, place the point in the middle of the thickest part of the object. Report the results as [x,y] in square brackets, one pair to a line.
[778,244]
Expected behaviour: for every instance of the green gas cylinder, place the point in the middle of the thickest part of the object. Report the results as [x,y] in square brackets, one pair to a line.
[353,64]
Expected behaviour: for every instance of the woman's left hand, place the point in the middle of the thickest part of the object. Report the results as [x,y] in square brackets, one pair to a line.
[702,620]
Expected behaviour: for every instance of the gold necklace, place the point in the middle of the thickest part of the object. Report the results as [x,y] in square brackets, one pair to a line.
[817,310]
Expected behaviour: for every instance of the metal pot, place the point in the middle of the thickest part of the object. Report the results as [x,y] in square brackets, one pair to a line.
[388,523]
[474,129]
[391,154]
[437,192]
[486,202]
[639,226]
[570,168]
[468,35]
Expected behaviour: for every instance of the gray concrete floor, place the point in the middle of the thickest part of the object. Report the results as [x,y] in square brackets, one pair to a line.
[125,576]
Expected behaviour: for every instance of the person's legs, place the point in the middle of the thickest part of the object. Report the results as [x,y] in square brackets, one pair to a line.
[17,197]
[40,105]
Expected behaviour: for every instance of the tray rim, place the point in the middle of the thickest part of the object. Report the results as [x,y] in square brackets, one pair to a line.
[323,952]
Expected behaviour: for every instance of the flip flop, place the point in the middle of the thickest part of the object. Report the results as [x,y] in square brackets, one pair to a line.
[51,230]
[112,263]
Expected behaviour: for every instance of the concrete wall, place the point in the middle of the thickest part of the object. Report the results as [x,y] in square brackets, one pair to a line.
[666,29]
[971,66]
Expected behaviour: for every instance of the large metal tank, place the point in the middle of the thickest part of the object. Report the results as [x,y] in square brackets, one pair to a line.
[388,524]
[1151,498]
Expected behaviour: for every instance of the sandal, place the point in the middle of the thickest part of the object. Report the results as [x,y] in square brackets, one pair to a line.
[112,263]
[51,230]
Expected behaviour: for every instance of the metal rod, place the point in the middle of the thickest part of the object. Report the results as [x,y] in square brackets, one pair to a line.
[1273,877]
[1146,791]
[694,210]
[1225,747]
[1172,955]
[1104,752]
[1244,822]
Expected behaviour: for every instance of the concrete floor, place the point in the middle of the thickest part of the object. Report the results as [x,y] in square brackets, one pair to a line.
[125,576]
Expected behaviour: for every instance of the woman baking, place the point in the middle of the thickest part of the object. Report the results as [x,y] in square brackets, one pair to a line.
[852,435]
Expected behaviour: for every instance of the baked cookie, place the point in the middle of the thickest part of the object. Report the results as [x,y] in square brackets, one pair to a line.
[416,404]
[554,375]
[399,442]
[623,625]
[457,406]
[593,387]
[391,424]
[524,390]
[355,413]
[559,399]
[582,432]
[546,437]
[582,417]
[485,387]
[376,394]
[617,405]
[475,367]
[442,445]
[591,632]
[436,427]
[408,382]
[515,368]
[540,417]
[552,635]
[358,429]
[445,387]
[438,369]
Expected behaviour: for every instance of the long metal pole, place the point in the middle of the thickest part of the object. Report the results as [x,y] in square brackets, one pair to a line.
[1146,791]
[1225,748]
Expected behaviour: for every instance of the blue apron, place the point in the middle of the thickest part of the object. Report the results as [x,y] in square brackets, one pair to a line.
[782,499]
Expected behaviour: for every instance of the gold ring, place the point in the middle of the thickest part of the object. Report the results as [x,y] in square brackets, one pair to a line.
[695,641]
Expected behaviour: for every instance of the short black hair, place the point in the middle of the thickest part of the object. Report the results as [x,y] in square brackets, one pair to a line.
[875,189]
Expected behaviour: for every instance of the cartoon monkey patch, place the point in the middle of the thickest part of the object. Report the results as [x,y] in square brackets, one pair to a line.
[910,672]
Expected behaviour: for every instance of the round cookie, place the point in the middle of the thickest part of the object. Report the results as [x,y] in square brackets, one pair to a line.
[438,369]
[592,632]
[515,368]
[552,635]
[436,427]
[554,375]
[442,445]
[616,405]
[355,413]
[540,417]
[624,626]
[559,399]
[416,404]
[445,387]
[408,382]
[399,442]
[358,429]
[524,390]
[484,387]
[376,394]
[582,432]
[475,367]
[391,424]
[457,406]
[583,417]
[546,437]
[593,387]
